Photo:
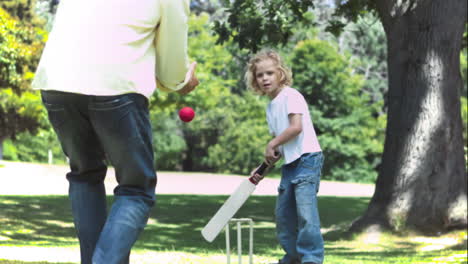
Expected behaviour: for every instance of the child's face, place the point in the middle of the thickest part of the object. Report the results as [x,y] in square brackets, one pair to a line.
[267,76]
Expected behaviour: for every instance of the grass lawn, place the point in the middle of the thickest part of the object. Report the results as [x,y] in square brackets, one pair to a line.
[39,229]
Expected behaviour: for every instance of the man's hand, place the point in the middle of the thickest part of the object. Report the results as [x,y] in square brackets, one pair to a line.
[191,80]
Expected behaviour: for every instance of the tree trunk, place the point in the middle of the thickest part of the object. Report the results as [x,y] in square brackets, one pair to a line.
[1,149]
[422,183]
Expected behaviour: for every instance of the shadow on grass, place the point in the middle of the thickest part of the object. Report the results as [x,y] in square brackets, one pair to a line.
[36,220]
[175,223]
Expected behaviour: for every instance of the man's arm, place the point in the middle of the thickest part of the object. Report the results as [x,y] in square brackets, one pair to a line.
[172,64]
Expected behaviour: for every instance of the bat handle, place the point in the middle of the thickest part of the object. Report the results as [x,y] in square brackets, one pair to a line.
[260,171]
[262,168]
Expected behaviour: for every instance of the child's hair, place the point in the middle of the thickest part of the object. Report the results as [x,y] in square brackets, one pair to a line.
[285,72]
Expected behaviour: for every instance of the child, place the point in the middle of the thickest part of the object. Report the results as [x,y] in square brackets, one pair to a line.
[297,217]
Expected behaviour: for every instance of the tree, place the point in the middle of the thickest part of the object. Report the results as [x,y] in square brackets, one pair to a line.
[20,45]
[252,24]
[201,133]
[343,115]
[422,182]
[204,6]
[22,10]
[242,133]
[45,10]
[365,40]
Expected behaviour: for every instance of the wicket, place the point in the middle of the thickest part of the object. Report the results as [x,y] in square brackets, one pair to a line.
[239,221]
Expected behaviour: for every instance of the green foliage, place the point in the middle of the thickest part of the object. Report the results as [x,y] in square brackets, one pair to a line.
[229,131]
[211,71]
[365,40]
[464,71]
[9,151]
[350,134]
[253,24]
[204,6]
[352,11]
[243,134]
[169,144]
[19,113]
[20,46]
[23,10]
[222,136]
[229,137]
[35,147]
[45,10]
[324,77]
[215,85]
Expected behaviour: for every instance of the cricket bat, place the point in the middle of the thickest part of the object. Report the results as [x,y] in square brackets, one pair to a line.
[231,206]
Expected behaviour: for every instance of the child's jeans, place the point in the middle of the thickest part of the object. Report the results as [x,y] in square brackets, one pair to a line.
[297,216]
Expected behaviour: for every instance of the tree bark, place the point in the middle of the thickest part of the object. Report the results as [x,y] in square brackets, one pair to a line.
[422,182]
[1,149]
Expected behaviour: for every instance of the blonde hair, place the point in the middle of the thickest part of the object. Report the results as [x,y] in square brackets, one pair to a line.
[250,79]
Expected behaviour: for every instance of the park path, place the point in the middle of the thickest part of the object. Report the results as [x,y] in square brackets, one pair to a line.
[18,178]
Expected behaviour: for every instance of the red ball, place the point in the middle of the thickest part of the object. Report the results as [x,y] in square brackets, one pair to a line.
[186,114]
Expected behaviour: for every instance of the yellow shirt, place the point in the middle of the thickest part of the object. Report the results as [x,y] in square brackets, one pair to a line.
[112,47]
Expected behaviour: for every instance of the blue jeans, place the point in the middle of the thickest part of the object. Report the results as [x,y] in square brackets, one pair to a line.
[92,129]
[297,216]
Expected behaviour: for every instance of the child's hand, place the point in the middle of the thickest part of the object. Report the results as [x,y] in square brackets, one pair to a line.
[271,155]
[256,178]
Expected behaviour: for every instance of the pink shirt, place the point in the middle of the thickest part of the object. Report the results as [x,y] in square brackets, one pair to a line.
[290,101]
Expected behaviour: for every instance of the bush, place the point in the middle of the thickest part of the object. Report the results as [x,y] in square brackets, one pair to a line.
[349,128]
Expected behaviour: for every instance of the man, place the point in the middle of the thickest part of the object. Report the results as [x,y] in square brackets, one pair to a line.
[101,63]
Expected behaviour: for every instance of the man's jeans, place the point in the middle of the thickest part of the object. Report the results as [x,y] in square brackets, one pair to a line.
[90,130]
[297,216]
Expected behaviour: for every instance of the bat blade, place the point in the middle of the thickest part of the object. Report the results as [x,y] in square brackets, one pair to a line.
[227,210]
[230,207]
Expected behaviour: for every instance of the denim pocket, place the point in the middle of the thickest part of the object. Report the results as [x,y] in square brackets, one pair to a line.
[281,189]
[312,161]
[57,114]
[118,118]
[303,180]
[309,170]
